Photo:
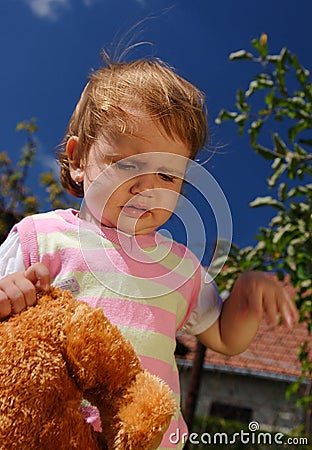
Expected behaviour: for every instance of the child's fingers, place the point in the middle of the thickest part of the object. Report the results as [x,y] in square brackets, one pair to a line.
[27,293]
[15,296]
[288,310]
[38,273]
[5,305]
[18,290]
[271,308]
[16,293]
[279,306]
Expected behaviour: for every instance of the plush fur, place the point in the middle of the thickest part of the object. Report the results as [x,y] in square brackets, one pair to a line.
[59,352]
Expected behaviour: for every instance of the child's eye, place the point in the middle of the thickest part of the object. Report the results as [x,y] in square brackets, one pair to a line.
[166,177]
[125,166]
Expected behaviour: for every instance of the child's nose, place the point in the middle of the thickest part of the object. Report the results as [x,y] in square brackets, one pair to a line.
[145,182]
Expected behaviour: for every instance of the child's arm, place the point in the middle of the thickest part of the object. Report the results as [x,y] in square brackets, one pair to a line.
[18,290]
[253,295]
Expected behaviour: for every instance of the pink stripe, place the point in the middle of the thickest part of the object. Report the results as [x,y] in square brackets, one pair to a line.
[71,260]
[138,315]
[193,298]
[118,261]
[29,246]
[95,260]
[51,225]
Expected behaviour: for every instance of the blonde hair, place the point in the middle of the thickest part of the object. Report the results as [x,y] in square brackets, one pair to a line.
[112,98]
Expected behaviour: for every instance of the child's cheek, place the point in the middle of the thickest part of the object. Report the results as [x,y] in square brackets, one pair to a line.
[100,192]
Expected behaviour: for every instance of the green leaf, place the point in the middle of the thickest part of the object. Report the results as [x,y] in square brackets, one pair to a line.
[291,262]
[276,174]
[241,54]
[267,201]
[306,142]
[284,55]
[265,152]
[28,125]
[298,102]
[293,59]
[280,145]
[301,272]
[225,115]
[260,83]
[300,150]
[254,130]
[293,389]
[280,79]
[302,75]
[254,85]
[281,231]
[241,100]
[297,128]
[291,250]
[282,192]
[241,118]
[269,99]
[260,47]
[20,126]
[298,191]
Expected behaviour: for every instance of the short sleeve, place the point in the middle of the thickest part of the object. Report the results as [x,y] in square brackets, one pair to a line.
[206,309]
[11,256]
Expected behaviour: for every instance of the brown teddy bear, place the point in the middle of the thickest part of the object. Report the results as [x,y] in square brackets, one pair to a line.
[54,355]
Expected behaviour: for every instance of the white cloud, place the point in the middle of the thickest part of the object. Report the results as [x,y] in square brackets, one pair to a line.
[47,8]
[50,9]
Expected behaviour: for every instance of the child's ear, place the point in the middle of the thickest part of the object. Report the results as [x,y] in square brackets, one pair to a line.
[75,169]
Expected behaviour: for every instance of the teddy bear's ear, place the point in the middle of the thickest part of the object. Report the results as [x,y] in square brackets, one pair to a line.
[145,413]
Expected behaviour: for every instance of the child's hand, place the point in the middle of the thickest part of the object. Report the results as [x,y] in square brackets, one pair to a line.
[17,291]
[262,295]
[253,295]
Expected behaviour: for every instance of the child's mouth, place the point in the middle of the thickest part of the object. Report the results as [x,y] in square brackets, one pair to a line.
[135,211]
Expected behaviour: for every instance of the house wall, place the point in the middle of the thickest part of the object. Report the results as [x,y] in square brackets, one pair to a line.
[265,397]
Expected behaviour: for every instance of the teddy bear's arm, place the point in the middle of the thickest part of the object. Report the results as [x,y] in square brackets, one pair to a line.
[97,353]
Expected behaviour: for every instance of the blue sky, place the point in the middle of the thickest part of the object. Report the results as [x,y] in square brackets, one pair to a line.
[49,46]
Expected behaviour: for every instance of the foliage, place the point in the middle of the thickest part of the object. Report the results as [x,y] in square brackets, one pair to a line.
[17,199]
[279,98]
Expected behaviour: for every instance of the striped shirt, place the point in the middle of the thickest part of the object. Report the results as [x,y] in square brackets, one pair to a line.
[147,285]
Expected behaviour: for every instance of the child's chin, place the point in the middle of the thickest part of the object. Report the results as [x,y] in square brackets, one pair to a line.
[135,227]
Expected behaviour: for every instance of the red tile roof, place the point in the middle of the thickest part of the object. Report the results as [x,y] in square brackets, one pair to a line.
[272,351]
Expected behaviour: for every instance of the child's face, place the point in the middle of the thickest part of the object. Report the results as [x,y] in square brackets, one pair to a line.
[132,182]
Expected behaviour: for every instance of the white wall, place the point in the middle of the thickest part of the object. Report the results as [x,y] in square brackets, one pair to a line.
[266,397]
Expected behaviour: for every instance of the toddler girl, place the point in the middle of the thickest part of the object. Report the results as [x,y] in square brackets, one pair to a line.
[127,147]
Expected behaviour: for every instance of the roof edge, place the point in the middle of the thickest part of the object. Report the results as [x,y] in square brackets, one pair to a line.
[245,372]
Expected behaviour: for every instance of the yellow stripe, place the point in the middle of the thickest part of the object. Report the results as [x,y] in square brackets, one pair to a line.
[112,285]
[144,340]
[183,266]
[86,240]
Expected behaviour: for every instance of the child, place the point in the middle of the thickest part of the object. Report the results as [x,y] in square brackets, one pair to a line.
[126,150]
